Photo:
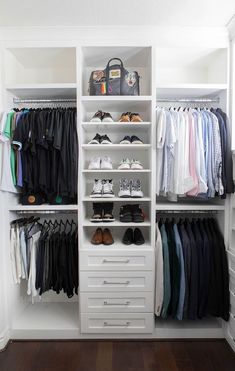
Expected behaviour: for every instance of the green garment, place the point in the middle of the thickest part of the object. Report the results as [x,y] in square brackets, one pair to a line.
[8,134]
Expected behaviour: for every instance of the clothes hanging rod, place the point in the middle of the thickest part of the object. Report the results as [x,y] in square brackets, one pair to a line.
[46,211]
[189,100]
[182,211]
[59,100]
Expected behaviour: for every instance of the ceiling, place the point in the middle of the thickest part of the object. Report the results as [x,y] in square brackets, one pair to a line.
[210,13]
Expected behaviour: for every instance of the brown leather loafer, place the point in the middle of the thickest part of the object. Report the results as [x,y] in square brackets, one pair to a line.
[135,117]
[107,237]
[97,237]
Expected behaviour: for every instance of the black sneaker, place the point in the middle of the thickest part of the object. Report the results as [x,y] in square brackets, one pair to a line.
[108,212]
[128,237]
[125,214]
[126,140]
[137,214]
[107,117]
[104,139]
[97,117]
[136,140]
[97,214]
[138,237]
[96,139]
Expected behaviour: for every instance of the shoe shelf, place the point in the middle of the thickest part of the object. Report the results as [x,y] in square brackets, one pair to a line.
[116,223]
[113,126]
[116,171]
[109,147]
[115,199]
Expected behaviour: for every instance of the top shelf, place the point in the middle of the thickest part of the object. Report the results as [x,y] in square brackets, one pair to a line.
[177,91]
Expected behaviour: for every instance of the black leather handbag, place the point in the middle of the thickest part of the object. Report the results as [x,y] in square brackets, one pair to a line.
[114,80]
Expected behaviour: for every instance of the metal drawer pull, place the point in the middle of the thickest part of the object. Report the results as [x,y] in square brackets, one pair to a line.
[116,261]
[126,303]
[116,283]
[116,324]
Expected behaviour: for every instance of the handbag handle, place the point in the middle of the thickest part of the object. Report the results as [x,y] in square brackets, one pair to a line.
[113,59]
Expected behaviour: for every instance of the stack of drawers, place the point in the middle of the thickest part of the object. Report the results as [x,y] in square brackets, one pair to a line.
[116,291]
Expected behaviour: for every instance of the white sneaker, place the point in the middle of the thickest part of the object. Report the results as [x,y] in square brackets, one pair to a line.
[136,165]
[94,163]
[97,188]
[136,191]
[106,163]
[125,189]
[97,117]
[125,164]
[108,188]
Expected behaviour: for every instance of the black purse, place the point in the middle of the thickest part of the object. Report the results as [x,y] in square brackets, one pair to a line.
[114,80]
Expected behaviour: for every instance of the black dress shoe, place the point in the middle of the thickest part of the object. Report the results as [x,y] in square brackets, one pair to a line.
[138,237]
[137,214]
[128,237]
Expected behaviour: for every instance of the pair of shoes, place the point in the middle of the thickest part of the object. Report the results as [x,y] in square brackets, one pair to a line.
[100,139]
[131,213]
[135,237]
[103,212]
[100,237]
[130,117]
[104,163]
[130,188]
[131,140]
[102,188]
[126,164]
[102,116]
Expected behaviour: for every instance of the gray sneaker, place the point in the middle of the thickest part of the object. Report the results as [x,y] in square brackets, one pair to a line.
[136,191]
[125,188]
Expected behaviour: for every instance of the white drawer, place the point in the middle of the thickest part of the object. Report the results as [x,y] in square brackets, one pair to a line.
[116,302]
[231,261]
[116,281]
[116,260]
[232,325]
[117,323]
[232,303]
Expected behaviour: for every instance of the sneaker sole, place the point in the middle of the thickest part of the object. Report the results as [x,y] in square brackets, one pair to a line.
[108,220]
[107,120]
[95,220]
[96,195]
[107,196]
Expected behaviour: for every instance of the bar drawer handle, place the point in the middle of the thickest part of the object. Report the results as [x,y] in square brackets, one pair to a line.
[116,283]
[126,324]
[116,261]
[126,303]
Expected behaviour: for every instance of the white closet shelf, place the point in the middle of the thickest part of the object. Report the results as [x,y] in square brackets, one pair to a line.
[46,320]
[117,171]
[116,223]
[43,208]
[116,98]
[116,199]
[189,90]
[119,246]
[115,126]
[116,146]
[43,91]
[183,207]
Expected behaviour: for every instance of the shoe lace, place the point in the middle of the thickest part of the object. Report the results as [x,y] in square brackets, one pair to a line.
[107,186]
[97,186]
[124,184]
[136,185]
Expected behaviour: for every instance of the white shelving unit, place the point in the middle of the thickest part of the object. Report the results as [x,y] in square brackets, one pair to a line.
[52,72]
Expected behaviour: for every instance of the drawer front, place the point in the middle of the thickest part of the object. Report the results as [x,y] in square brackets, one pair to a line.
[232,303]
[231,261]
[117,302]
[116,261]
[117,323]
[116,281]
[232,325]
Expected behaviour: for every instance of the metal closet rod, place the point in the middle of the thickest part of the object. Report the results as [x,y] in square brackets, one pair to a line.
[186,212]
[59,100]
[46,211]
[189,100]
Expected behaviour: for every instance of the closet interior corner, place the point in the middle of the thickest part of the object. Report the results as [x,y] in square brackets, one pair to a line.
[99,181]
